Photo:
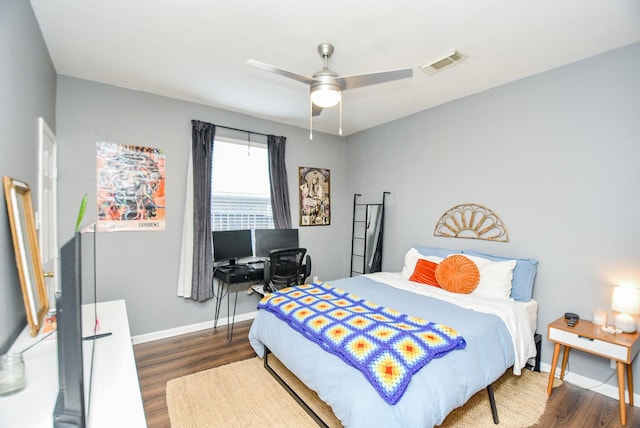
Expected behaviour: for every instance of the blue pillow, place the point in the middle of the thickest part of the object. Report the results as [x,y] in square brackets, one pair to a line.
[523,274]
[433,251]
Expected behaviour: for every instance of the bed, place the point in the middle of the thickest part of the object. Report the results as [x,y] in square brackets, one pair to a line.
[498,335]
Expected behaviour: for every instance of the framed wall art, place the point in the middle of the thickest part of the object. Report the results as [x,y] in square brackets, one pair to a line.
[130,191]
[315,196]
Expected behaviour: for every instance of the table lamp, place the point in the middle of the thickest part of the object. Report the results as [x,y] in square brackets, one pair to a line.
[626,301]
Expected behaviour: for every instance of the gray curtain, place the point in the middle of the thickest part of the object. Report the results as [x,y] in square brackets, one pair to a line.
[202,135]
[279,183]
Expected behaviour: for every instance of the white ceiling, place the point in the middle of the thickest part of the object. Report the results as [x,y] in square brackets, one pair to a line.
[195,50]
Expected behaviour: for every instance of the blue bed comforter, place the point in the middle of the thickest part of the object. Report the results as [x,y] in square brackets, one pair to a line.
[387,346]
[434,391]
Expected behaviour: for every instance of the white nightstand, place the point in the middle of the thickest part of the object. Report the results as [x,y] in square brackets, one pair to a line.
[588,337]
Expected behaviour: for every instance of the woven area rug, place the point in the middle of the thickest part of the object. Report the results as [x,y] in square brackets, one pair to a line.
[244,394]
[520,401]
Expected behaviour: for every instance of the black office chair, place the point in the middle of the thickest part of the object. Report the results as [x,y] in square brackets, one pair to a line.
[285,268]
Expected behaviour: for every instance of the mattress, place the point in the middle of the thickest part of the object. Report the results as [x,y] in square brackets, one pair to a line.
[532,312]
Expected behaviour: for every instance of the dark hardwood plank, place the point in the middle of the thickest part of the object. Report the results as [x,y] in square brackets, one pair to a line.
[160,361]
[163,360]
[573,407]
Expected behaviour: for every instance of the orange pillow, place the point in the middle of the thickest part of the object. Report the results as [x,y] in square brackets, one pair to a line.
[458,274]
[425,273]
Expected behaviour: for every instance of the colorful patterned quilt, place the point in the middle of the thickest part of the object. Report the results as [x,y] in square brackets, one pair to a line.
[388,347]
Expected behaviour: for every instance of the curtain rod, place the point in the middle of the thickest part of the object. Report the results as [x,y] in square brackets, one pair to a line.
[241,130]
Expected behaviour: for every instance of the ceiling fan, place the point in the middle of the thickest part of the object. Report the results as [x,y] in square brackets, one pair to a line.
[326,86]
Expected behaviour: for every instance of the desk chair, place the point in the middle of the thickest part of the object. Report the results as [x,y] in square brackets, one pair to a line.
[284,268]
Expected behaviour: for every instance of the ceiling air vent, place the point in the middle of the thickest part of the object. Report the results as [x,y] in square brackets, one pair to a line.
[442,63]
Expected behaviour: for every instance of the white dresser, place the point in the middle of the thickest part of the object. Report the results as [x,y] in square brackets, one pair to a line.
[115,393]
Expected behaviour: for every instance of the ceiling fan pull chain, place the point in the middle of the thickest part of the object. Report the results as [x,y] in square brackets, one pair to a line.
[249,145]
[340,128]
[310,119]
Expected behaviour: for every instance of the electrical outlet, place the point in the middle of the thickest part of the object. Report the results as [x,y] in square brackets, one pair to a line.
[612,364]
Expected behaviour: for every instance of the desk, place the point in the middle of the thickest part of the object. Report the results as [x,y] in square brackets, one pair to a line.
[115,394]
[230,275]
[588,337]
[236,274]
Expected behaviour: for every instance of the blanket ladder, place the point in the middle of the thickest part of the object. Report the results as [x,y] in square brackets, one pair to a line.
[366,236]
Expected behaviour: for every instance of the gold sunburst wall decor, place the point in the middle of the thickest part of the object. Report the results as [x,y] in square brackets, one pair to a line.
[471,221]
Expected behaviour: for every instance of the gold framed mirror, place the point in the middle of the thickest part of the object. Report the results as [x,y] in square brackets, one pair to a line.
[25,247]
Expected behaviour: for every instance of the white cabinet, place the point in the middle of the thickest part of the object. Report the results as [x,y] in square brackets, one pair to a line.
[115,391]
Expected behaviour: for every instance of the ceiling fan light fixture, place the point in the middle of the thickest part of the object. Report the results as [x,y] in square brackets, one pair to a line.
[325,95]
[325,86]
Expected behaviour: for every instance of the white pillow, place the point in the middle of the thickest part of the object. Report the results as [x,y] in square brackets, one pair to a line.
[495,277]
[410,260]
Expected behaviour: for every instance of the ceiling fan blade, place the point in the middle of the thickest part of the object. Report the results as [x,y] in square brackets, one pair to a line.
[315,110]
[276,70]
[351,82]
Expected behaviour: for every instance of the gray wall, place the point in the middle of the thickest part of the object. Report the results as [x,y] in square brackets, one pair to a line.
[142,267]
[554,155]
[27,91]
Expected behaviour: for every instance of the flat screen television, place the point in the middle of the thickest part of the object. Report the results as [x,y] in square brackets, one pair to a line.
[74,363]
[70,405]
[230,245]
[268,240]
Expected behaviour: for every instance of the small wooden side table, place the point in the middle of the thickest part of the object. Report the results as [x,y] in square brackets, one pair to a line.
[588,337]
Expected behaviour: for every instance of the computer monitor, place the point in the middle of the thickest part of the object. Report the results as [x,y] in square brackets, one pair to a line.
[229,245]
[268,240]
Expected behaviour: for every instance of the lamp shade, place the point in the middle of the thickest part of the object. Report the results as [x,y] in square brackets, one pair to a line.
[626,301]
[325,95]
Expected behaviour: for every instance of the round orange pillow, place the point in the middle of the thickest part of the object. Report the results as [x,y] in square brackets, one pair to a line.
[458,274]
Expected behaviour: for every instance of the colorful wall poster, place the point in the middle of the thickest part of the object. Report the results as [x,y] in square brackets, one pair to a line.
[130,188]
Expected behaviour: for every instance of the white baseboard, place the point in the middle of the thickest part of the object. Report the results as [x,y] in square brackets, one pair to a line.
[192,328]
[594,385]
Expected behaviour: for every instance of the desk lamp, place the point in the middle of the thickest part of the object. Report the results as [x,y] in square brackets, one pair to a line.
[626,301]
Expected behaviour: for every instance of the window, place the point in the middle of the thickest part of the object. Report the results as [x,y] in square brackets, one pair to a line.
[240,190]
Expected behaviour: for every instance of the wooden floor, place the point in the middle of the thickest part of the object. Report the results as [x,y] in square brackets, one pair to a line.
[163,360]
